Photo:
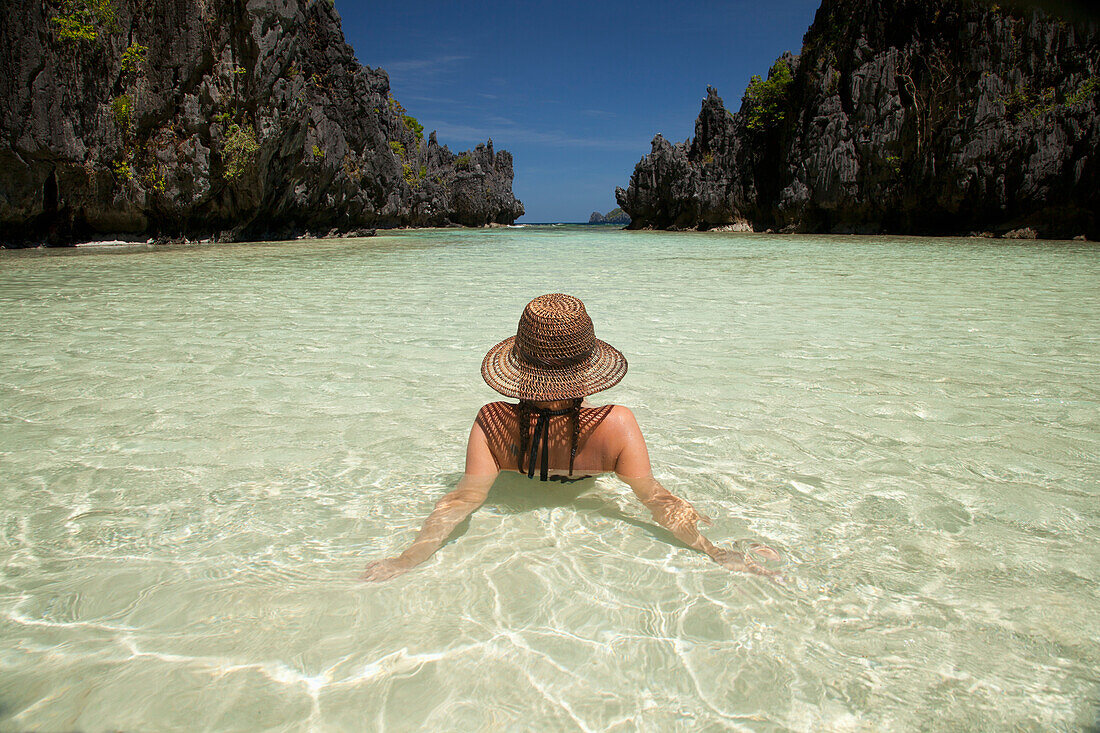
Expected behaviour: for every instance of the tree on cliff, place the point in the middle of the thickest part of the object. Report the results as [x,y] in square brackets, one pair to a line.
[765,102]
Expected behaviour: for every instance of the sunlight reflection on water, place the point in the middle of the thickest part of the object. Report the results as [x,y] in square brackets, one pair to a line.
[202,446]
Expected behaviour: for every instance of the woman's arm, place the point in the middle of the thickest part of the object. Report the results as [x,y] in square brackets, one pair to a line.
[481,472]
[670,511]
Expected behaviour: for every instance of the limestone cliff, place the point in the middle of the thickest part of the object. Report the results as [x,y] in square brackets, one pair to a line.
[919,116]
[234,118]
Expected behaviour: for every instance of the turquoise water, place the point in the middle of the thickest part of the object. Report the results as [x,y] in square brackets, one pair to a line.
[201,447]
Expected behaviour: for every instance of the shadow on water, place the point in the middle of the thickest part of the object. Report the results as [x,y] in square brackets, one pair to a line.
[513,494]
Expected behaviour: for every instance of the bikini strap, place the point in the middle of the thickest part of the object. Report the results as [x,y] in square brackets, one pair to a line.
[542,434]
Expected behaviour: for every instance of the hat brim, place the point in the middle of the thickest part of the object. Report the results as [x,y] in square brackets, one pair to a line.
[510,376]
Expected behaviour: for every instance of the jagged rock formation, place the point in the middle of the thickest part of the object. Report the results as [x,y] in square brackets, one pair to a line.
[241,119]
[615,216]
[918,116]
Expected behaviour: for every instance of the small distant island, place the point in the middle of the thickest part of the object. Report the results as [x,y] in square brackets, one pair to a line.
[615,216]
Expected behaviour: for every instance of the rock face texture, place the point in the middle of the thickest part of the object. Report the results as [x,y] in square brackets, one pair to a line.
[902,116]
[240,119]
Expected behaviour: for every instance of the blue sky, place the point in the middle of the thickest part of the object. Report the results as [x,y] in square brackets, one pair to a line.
[576,91]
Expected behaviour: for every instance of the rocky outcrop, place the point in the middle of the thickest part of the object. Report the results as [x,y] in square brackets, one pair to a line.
[615,216]
[907,116]
[235,118]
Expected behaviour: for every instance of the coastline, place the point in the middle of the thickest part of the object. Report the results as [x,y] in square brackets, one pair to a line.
[579,229]
[117,240]
[1026,234]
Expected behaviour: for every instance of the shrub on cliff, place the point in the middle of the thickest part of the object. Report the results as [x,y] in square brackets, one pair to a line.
[413,125]
[765,98]
[133,57]
[122,107]
[240,150]
[82,20]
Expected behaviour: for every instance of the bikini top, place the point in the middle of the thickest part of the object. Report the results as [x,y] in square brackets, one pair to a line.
[542,435]
[501,425]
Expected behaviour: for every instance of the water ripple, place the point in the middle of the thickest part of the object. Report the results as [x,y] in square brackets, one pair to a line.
[200,448]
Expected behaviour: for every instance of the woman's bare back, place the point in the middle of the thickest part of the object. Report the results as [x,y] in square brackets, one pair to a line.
[599,438]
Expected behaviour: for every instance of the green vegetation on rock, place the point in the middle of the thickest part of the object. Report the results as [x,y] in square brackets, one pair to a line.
[397,148]
[82,20]
[413,125]
[1089,88]
[153,180]
[122,170]
[133,57]
[122,108]
[765,98]
[73,29]
[240,150]
[1024,100]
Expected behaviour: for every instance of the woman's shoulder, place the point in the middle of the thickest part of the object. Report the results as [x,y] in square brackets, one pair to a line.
[616,413]
[609,420]
[497,411]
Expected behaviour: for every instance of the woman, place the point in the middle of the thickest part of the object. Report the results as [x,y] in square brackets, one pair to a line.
[552,363]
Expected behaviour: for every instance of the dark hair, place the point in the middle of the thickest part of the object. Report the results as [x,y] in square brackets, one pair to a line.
[527,410]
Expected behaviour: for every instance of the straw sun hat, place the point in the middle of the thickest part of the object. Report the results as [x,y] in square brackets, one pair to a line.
[554,355]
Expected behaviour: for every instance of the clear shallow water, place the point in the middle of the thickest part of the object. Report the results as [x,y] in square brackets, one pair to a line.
[200,448]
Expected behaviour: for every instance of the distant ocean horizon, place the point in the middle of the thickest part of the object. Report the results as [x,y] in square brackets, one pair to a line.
[582,223]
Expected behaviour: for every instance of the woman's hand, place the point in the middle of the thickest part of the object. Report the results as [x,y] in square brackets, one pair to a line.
[742,563]
[390,567]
